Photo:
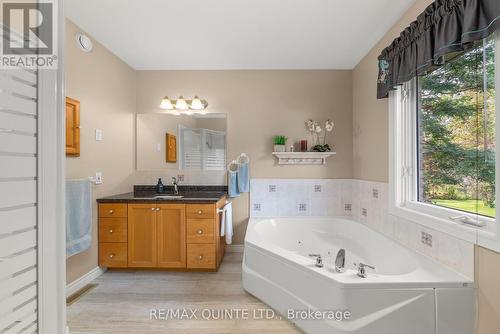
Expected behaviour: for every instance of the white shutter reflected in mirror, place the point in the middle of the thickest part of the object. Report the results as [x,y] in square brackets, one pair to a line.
[202,149]
[18,201]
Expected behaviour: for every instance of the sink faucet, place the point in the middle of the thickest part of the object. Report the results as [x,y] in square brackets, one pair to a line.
[319,261]
[174,183]
[340,261]
[362,269]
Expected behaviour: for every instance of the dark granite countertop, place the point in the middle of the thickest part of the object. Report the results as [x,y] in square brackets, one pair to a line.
[191,194]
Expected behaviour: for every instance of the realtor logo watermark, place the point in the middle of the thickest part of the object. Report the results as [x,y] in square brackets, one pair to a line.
[29,34]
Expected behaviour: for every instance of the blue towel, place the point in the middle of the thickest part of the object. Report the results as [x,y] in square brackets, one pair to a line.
[243,177]
[78,216]
[232,183]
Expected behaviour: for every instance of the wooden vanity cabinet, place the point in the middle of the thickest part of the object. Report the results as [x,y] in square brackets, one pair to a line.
[153,235]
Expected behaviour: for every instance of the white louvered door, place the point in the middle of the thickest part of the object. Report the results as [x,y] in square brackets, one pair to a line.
[18,201]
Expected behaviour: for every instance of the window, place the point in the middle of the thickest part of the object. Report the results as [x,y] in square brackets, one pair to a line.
[456,133]
[443,165]
[202,149]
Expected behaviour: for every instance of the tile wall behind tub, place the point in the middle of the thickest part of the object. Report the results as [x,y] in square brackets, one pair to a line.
[300,197]
[364,201]
[370,202]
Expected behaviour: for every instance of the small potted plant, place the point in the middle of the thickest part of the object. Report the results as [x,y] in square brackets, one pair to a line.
[279,143]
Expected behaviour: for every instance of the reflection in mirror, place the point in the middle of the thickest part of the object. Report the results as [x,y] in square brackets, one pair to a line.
[181,142]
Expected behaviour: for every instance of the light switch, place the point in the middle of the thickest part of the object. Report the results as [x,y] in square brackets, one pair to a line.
[158,147]
[98,135]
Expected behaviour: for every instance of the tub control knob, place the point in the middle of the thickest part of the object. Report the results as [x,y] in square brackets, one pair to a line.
[362,269]
[319,260]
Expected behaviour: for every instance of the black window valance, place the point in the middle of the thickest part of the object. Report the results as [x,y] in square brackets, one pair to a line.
[446,28]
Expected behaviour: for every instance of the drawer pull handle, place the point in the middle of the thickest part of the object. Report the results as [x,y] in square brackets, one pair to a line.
[152,209]
[200,212]
[157,209]
[200,257]
[110,231]
[112,255]
[200,231]
[111,211]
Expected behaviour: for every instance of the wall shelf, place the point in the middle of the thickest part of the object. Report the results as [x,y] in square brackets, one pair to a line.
[302,158]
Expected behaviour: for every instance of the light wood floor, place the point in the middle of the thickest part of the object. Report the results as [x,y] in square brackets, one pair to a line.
[122,302]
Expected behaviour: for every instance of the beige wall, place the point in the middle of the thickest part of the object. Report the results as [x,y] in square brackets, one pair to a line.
[370,161]
[151,130]
[259,105]
[105,87]
[370,117]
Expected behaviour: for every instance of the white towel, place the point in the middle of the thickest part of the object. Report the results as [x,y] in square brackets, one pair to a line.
[226,226]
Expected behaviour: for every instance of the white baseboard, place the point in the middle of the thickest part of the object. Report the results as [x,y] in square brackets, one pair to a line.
[235,248]
[81,282]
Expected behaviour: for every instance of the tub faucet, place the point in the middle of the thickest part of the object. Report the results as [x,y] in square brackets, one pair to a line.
[362,269]
[174,183]
[340,261]
[319,261]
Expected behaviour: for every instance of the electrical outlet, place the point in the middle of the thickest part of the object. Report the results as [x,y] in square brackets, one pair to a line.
[426,239]
[98,178]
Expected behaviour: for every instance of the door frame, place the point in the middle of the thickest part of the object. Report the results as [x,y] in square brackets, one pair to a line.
[51,194]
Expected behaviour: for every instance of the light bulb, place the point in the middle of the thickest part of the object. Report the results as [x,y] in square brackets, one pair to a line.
[166,104]
[181,104]
[196,104]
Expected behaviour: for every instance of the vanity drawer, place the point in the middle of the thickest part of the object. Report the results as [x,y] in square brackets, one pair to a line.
[201,256]
[112,210]
[200,211]
[200,231]
[113,230]
[113,254]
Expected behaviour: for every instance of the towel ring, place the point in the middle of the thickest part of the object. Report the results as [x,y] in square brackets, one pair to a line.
[243,158]
[233,166]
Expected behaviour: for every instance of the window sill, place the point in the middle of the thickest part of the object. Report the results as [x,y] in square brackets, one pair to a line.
[482,236]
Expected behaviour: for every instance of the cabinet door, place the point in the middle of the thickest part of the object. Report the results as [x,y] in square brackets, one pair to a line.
[171,142]
[72,127]
[171,225]
[142,235]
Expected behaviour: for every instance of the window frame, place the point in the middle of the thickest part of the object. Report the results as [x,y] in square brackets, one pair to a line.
[403,167]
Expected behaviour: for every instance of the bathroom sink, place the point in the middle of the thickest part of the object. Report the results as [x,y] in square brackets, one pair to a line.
[168,197]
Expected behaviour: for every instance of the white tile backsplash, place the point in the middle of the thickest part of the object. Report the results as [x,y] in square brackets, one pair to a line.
[364,201]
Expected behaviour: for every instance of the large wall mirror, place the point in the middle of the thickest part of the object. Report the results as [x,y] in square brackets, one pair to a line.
[182,142]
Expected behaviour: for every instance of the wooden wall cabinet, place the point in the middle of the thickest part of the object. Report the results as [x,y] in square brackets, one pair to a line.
[154,235]
[72,127]
[171,148]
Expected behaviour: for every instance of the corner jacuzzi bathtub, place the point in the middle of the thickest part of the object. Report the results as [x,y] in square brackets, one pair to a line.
[407,293]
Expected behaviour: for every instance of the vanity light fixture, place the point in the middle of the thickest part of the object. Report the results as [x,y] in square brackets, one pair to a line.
[196,104]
